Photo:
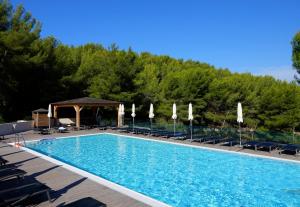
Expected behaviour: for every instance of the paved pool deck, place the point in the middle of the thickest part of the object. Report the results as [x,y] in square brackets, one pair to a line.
[67,186]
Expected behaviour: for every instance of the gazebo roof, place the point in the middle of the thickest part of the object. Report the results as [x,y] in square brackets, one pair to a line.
[41,110]
[86,101]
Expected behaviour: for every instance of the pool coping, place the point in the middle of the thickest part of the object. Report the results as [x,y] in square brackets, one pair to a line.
[126,191]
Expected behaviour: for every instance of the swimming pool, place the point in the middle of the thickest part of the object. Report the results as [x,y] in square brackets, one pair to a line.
[180,175]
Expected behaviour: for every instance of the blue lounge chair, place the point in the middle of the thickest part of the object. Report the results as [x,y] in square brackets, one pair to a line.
[18,195]
[267,146]
[230,142]
[251,145]
[293,149]
[9,173]
[3,161]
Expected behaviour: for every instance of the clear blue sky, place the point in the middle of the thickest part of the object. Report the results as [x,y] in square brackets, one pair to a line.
[242,35]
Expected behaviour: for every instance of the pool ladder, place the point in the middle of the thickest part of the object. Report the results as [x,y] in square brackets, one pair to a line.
[19,139]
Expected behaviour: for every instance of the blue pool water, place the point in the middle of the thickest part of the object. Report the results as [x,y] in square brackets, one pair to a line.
[179,175]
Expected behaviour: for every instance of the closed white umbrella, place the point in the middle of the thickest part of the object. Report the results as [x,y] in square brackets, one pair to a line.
[122,110]
[174,116]
[240,119]
[133,115]
[49,115]
[191,119]
[151,115]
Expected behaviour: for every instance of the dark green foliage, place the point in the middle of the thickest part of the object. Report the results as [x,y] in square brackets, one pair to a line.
[35,72]
[296,53]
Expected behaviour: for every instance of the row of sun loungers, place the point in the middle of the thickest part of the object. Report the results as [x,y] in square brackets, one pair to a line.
[269,146]
[19,192]
[216,138]
[154,132]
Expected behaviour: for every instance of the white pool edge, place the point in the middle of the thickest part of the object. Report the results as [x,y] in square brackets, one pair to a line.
[121,189]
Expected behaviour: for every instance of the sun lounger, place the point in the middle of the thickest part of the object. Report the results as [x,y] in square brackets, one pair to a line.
[45,131]
[200,138]
[141,130]
[214,140]
[291,149]
[66,122]
[11,173]
[267,146]
[230,142]
[103,127]
[3,161]
[178,136]
[123,129]
[7,166]
[167,134]
[15,196]
[251,145]
[159,133]
[62,129]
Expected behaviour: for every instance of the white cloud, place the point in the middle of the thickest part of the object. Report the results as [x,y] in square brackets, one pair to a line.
[280,72]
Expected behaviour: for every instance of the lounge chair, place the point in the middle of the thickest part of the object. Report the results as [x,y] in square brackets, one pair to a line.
[67,122]
[267,146]
[214,140]
[141,130]
[102,127]
[230,142]
[7,166]
[11,173]
[62,129]
[251,145]
[122,129]
[200,138]
[178,136]
[170,134]
[3,161]
[45,131]
[17,195]
[293,149]
[159,132]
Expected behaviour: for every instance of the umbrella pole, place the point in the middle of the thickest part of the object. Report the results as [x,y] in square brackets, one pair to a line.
[240,134]
[150,126]
[49,123]
[191,128]
[132,123]
[293,135]
[174,126]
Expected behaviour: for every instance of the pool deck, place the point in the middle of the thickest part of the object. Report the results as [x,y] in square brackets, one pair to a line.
[67,186]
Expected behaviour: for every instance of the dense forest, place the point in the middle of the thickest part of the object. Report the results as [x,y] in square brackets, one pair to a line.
[36,71]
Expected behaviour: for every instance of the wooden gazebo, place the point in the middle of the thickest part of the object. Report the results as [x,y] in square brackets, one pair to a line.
[79,103]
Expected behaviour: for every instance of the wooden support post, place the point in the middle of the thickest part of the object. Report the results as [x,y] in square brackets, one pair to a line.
[55,112]
[78,109]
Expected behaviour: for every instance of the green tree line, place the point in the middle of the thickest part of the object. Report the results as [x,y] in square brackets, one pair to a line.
[36,71]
